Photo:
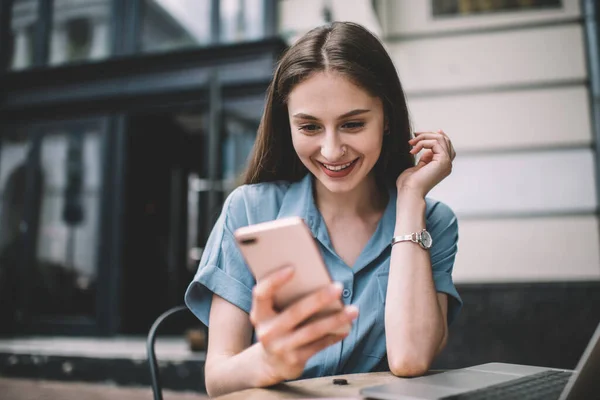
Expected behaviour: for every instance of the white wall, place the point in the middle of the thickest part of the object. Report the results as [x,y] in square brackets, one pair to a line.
[512,94]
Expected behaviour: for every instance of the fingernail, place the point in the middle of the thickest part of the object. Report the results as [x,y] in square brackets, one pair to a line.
[336,288]
[351,311]
[287,270]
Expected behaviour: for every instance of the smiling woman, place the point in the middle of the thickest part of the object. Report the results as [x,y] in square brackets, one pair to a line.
[334,147]
[349,55]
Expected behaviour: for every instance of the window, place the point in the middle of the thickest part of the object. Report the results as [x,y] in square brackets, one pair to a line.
[24,19]
[80,31]
[242,20]
[175,24]
[467,7]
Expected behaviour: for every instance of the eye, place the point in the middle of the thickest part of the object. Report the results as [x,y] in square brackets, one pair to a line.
[309,128]
[354,125]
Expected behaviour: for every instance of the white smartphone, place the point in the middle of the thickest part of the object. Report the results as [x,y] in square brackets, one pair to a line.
[272,245]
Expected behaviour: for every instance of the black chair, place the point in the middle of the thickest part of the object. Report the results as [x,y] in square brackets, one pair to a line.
[152,363]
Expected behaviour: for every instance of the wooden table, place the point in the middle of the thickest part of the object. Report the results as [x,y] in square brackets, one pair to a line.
[315,388]
[33,389]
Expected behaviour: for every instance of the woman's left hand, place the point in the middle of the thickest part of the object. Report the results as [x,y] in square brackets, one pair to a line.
[434,165]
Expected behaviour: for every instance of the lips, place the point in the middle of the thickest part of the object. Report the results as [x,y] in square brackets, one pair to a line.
[339,170]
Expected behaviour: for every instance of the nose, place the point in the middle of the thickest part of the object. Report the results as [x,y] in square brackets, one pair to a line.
[331,147]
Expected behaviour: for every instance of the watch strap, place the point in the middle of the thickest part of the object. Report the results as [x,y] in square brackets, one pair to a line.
[413,237]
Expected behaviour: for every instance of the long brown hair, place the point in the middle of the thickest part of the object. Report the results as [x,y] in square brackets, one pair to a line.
[351,50]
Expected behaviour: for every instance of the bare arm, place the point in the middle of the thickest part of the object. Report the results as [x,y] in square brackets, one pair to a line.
[233,363]
[415,315]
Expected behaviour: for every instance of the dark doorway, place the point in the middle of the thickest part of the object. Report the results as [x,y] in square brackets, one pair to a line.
[162,151]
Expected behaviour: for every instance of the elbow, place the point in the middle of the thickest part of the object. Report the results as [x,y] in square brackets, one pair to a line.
[211,384]
[211,390]
[406,366]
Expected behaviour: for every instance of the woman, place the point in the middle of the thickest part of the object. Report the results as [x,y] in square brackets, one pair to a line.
[334,147]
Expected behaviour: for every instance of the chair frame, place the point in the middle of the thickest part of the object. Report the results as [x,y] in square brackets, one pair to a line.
[150,341]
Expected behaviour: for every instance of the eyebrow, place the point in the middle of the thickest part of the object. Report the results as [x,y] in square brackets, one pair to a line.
[348,114]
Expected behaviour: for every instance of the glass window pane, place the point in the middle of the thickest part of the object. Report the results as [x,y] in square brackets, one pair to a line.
[242,20]
[24,20]
[80,31]
[174,24]
[467,7]
[241,118]
[64,271]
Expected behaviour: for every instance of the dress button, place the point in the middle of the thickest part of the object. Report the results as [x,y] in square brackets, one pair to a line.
[346,293]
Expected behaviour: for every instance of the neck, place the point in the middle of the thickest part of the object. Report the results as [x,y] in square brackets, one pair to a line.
[363,201]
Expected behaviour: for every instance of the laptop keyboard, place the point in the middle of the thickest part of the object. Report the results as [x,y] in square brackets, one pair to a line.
[546,385]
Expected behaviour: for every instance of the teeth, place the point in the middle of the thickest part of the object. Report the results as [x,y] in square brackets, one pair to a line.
[337,167]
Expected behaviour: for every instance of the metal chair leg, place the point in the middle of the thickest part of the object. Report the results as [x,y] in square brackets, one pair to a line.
[153,364]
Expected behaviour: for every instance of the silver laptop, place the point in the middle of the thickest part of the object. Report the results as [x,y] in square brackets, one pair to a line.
[502,381]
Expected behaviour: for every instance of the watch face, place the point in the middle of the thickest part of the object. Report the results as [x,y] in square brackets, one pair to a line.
[426,240]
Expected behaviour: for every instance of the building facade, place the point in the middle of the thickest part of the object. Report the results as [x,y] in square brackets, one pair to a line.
[123,127]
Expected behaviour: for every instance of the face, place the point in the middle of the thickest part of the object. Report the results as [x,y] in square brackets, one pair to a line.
[337,130]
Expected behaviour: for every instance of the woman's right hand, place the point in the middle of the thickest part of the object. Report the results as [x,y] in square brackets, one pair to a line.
[286,345]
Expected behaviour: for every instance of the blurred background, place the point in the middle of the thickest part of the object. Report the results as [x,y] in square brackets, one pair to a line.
[124,124]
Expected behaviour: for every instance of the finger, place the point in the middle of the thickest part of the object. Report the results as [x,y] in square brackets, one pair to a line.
[311,349]
[309,305]
[438,132]
[339,323]
[300,311]
[444,141]
[422,132]
[431,144]
[430,135]
[441,135]
[426,157]
[452,150]
[264,292]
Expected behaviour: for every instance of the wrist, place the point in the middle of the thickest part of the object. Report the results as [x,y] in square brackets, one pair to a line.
[409,194]
[264,372]
[410,202]
[410,213]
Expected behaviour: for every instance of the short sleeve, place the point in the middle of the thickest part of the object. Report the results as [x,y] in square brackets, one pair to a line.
[443,227]
[222,269]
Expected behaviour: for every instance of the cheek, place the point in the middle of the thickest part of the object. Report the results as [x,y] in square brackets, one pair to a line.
[371,145]
[303,145]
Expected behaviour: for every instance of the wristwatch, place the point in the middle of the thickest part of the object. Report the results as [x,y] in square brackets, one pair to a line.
[423,238]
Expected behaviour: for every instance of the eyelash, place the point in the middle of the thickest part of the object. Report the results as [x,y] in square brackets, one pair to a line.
[354,125]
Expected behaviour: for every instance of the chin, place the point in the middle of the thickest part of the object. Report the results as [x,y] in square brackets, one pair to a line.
[337,188]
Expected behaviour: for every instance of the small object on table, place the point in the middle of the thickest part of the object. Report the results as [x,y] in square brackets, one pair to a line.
[340,381]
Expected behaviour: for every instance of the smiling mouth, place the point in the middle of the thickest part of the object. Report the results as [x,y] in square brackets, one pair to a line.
[337,168]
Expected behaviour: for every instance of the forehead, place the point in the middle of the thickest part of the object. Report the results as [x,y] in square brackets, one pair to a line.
[325,93]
